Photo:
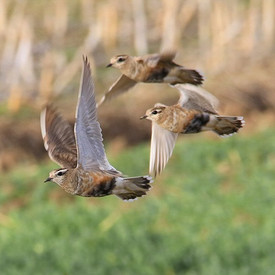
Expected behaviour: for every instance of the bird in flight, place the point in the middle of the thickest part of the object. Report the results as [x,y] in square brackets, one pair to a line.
[194,112]
[85,169]
[152,68]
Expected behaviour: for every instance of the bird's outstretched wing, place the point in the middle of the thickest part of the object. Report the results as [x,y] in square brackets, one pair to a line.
[122,85]
[90,150]
[162,145]
[194,97]
[58,136]
[152,60]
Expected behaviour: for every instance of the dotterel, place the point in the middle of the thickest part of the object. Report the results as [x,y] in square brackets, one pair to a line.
[194,112]
[152,68]
[86,170]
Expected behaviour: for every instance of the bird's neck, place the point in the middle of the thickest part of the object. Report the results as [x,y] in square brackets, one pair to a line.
[131,68]
[70,182]
[170,120]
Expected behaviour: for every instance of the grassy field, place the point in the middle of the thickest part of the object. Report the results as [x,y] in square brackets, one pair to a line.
[211,212]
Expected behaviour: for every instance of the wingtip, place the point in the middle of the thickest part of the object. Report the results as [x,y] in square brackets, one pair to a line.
[47,111]
[42,121]
[43,126]
[85,58]
[101,101]
[50,107]
[168,54]
[86,63]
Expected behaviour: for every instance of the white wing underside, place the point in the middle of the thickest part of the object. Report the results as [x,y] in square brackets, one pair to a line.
[90,149]
[162,145]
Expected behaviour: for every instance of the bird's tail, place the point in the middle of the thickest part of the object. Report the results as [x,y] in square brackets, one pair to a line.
[225,125]
[131,188]
[190,76]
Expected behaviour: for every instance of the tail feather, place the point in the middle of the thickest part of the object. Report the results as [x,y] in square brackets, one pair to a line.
[228,125]
[191,76]
[132,188]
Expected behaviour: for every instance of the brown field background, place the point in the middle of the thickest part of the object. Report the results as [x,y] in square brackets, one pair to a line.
[42,43]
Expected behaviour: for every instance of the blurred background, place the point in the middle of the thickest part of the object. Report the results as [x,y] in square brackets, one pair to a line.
[211,211]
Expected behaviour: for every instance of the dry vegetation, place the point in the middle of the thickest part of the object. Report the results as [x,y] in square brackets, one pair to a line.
[231,42]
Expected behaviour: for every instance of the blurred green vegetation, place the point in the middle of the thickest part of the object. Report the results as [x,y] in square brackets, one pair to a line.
[211,212]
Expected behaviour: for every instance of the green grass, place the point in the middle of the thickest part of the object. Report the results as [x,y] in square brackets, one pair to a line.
[211,212]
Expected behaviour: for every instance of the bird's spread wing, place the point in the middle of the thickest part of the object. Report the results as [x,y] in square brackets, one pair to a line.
[59,139]
[153,59]
[162,145]
[90,149]
[122,85]
[167,55]
[194,97]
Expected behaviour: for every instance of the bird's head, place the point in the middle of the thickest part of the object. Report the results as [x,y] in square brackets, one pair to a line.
[118,61]
[58,176]
[156,114]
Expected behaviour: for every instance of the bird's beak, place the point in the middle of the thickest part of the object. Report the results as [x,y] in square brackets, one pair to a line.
[48,179]
[143,117]
[109,65]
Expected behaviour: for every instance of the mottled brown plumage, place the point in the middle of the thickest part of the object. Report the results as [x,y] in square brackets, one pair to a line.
[173,118]
[195,112]
[156,68]
[86,171]
[59,139]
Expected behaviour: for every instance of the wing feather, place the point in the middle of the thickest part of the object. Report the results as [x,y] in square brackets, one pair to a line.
[194,97]
[122,85]
[162,145]
[58,136]
[90,149]
[153,59]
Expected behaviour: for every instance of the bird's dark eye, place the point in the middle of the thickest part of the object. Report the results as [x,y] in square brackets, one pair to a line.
[154,112]
[121,59]
[60,173]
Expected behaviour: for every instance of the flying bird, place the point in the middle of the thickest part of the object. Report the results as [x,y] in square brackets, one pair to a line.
[85,169]
[152,68]
[194,112]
